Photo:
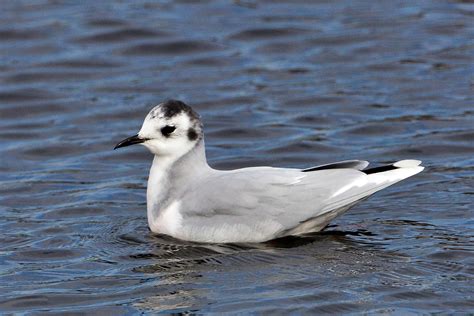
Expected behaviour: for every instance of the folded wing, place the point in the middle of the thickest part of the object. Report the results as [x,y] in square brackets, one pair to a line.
[275,202]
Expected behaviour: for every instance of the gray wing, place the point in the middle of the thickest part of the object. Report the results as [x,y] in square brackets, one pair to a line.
[263,202]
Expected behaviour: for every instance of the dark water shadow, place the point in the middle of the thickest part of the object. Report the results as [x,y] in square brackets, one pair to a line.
[165,253]
[335,235]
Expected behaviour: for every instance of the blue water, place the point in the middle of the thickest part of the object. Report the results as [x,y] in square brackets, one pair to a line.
[287,83]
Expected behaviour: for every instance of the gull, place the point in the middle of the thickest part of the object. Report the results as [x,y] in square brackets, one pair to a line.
[189,200]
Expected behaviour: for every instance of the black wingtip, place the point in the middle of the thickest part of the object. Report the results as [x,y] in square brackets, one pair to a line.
[379,169]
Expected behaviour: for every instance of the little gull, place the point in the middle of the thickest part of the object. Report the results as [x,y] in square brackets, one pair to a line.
[189,200]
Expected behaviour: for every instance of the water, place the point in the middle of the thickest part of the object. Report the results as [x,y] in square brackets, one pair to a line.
[284,83]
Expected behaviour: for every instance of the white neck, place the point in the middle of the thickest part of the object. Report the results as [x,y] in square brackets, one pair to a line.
[169,176]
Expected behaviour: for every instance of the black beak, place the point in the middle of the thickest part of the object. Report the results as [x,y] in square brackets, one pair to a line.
[130,141]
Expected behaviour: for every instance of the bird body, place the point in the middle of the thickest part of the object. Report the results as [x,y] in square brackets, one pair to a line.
[189,200]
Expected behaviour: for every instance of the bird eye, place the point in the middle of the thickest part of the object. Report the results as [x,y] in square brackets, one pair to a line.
[167,130]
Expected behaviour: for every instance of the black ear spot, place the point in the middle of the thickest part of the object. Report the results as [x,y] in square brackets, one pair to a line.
[192,134]
[167,130]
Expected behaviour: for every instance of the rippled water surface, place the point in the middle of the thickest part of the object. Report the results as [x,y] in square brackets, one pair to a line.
[279,83]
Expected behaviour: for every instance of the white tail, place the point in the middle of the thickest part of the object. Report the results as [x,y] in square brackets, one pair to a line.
[377,178]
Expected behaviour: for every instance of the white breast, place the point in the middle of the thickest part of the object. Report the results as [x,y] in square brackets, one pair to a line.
[168,221]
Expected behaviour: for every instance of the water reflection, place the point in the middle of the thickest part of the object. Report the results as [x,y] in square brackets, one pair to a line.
[193,268]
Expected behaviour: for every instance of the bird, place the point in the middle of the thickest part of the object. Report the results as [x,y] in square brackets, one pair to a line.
[189,200]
